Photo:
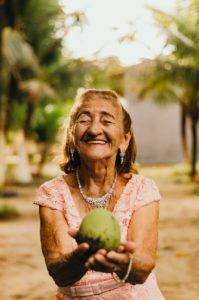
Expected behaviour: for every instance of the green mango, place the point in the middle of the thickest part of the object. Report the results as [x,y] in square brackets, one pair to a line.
[100,230]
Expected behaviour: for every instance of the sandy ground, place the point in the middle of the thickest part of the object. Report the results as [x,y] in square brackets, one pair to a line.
[22,271]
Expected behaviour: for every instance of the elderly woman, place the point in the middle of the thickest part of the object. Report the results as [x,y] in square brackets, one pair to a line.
[98,164]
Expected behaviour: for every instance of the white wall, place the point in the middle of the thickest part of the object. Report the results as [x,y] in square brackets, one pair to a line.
[157,131]
[156,128]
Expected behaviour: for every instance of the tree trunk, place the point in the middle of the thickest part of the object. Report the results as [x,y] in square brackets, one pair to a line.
[22,171]
[194,146]
[28,119]
[43,152]
[12,93]
[184,135]
[2,100]
[2,159]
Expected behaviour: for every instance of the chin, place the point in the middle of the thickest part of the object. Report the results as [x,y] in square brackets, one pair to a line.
[95,156]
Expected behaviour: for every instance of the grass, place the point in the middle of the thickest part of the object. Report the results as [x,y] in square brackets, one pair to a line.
[8,212]
[178,173]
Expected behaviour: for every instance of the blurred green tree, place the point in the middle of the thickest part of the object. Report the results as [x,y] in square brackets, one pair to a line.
[175,77]
[28,48]
[34,69]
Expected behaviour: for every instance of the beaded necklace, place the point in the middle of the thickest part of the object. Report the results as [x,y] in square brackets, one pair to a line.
[98,202]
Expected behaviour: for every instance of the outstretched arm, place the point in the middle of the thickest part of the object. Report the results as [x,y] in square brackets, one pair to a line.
[141,243]
[143,231]
[64,263]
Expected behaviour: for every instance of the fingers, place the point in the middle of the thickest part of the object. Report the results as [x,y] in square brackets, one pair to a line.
[120,249]
[73,232]
[112,261]
[118,258]
[107,262]
[99,262]
[129,246]
[102,251]
[81,249]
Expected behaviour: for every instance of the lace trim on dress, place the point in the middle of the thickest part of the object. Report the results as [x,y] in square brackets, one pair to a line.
[147,192]
[47,194]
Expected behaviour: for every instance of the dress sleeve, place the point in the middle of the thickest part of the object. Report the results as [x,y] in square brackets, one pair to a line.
[147,192]
[48,195]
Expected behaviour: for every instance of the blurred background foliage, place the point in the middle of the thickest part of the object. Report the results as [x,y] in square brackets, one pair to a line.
[174,77]
[38,82]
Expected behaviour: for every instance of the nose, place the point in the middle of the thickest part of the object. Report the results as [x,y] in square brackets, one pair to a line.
[95,128]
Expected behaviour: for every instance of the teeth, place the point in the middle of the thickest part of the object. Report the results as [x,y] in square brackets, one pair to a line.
[96,142]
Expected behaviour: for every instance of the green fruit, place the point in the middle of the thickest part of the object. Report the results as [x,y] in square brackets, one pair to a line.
[100,230]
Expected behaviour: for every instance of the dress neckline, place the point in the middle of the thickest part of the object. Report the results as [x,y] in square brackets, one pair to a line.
[70,203]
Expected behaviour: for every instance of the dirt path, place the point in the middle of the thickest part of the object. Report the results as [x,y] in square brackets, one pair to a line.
[178,261]
[23,274]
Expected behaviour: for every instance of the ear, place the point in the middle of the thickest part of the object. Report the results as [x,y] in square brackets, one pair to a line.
[125,142]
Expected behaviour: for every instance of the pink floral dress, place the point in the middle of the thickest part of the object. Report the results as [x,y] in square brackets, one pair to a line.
[139,191]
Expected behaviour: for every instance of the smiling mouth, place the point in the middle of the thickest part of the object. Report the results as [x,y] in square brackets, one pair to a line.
[96,142]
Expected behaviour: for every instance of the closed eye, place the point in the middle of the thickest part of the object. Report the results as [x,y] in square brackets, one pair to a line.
[107,122]
[83,121]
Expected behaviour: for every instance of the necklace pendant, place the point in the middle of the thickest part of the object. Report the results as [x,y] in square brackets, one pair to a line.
[97,202]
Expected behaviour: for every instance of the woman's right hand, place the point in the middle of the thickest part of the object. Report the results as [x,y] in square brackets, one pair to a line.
[113,261]
[81,252]
[82,249]
[73,232]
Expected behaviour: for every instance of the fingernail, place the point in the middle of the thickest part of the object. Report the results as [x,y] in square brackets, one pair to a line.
[98,256]
[110,255]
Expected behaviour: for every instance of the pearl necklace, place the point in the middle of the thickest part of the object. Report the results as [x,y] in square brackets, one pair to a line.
[98,202]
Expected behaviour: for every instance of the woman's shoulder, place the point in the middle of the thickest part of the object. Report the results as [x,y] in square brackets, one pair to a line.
[50,193]
[59,184]
[142,183]
[147,190]
[137,178]
[53,182]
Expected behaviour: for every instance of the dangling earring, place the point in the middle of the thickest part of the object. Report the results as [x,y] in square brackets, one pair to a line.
[72,153]
[121,157]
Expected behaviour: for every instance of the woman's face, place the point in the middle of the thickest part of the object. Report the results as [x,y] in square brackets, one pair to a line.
[98,130]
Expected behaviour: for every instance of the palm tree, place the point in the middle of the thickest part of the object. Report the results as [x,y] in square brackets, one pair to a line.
[28,48]
[17,58]
[2,99]
[15,53]
[175,77]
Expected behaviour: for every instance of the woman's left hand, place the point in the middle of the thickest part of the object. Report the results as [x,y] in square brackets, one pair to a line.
[113,261]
